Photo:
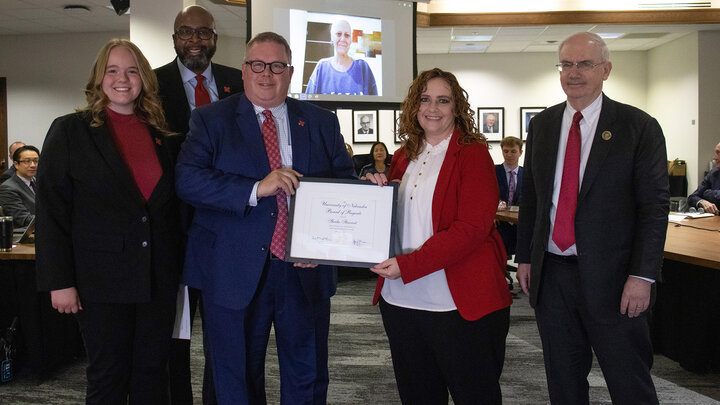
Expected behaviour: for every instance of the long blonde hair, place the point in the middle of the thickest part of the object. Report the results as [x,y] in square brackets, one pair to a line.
[409,128]
[147,106]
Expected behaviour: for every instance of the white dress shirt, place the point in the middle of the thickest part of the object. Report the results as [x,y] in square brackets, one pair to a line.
[280,116]
[588,125]
[414,217]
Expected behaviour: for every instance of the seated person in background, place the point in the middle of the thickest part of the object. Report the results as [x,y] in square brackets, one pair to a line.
[509,178]
[11,169]
[341,74]
[379,154]
[17,194]
[707,195]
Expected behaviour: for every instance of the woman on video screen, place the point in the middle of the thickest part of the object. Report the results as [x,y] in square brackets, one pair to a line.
[341,74]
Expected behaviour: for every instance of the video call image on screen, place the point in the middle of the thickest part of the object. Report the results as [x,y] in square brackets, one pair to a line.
[342,50]
[339,54]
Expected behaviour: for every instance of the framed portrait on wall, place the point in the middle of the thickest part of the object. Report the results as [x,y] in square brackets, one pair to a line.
[365,128]
[396,132]
[526,114]
[491,121]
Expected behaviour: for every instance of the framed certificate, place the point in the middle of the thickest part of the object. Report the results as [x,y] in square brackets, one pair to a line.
[341,222]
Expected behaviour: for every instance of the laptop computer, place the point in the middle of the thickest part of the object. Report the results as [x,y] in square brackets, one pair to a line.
[27,236]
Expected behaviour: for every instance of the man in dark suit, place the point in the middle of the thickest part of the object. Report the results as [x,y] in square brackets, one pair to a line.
[242,158]
[707,195]
[195,44]
[11,169]
[509,177]
[17,194]
[365,125]
[190,81]
[593,218]
[490,125]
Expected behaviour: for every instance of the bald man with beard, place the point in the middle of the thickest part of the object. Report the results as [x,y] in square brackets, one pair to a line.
[188,82]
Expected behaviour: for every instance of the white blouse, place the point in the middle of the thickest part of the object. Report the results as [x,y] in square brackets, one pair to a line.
[414,219]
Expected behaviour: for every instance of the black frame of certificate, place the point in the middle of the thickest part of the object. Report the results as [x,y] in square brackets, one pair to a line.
[365,188]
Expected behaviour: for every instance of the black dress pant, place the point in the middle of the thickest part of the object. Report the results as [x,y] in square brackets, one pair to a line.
[179,363]
[569,334]
[437,352]
[127,349]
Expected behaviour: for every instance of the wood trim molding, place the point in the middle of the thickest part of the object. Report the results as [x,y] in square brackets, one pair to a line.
[634,17]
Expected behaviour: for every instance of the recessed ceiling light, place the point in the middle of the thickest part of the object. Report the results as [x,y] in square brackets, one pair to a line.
[76,9]
[469,47]
[469,38]
[609,35]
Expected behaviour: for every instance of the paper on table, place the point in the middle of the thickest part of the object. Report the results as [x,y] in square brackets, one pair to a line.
[181,330]
[699,215]
[687,215]
[676,217]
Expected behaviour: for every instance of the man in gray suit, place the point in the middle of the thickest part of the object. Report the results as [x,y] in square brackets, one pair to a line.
[11,169]
[17,194]
[593,218]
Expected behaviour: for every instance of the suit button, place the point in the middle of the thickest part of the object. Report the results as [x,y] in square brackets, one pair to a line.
[263,248]
[144,219]
[272,214]
[144,244]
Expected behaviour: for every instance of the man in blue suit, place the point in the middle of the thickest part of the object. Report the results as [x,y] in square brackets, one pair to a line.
[509,177]
[242,157]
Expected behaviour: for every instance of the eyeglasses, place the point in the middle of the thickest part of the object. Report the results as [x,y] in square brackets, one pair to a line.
[28,161]
[259,66]
[202,33]
[582,66]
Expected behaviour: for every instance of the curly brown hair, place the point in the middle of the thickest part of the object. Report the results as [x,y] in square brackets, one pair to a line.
[409,128]
[147,108]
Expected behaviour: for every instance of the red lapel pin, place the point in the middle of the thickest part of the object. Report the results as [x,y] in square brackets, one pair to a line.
[226,89]
[158,141]
[301,123]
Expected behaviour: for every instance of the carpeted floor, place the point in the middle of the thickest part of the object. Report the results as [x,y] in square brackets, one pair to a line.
[361,369]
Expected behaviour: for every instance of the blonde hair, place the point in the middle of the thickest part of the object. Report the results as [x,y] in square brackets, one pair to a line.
[147,106]
[412,133]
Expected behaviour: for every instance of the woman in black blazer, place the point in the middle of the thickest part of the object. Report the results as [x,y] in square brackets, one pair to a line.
[108,236]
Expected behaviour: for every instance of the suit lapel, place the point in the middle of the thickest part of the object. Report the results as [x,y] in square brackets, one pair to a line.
[103,141]
[546,150]
[248,127]
[443,180]
[28,195]
[600,147]
[177,93]
[300,138]
[223,82]
[164,186]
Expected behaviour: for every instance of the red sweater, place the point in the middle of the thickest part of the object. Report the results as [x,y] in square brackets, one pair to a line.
[135,144]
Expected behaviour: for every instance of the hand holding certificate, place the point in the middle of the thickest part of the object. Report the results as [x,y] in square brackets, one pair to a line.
[341,222]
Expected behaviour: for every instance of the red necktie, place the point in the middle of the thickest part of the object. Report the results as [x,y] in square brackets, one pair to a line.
[269,131]
[202,96]
[564,231]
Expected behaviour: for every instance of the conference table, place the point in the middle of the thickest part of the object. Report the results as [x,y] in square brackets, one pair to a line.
[685,322]
[45,338]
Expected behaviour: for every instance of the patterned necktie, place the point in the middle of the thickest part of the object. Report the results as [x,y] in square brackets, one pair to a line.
[269,131]
[202,96]
[33,186]
[564,231]
[511,188]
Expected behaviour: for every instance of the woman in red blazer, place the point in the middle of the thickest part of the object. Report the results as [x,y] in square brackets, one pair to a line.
[444,300]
